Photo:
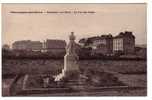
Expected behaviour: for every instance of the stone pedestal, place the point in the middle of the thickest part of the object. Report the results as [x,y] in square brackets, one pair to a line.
[70,63]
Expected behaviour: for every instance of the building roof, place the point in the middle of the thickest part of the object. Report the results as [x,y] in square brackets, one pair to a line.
[83,40]
[27,42]
[125,34]
[101,37]
[22,41]
[91,39]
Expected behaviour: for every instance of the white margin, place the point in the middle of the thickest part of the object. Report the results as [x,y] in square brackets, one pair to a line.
[149,49]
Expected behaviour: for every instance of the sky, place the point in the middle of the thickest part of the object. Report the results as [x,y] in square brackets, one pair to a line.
[107,18]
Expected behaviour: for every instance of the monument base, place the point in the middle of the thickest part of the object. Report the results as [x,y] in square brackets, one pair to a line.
[72,83]
[70,69]
[74,78]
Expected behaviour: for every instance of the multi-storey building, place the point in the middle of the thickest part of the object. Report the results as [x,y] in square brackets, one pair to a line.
[107,44]
[54,46]
[27,45]
[124,42]
[21,45]
[100,44]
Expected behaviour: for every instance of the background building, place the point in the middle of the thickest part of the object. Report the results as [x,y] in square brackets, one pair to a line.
[27,45]
[124,42]
[54,46]
[100,44]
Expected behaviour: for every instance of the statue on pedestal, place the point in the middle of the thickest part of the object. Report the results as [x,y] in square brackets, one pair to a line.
[71,68]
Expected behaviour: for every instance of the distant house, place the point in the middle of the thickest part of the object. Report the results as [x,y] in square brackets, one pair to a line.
[124,42]
[99,44]
[21,45]
[54,46]
[27,45]
[103,44]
